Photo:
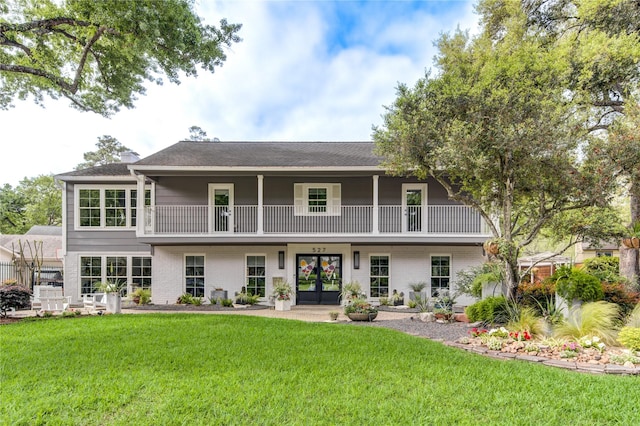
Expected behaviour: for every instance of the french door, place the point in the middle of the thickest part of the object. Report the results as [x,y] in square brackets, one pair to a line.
[413,207]
[318,279]
[221,207]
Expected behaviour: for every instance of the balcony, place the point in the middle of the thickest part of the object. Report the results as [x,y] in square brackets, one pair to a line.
[276,220]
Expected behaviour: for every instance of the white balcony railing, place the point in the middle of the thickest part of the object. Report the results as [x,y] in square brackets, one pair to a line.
[288,219]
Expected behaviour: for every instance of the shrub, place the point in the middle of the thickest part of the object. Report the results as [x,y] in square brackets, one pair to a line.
[606,269]
[141,296]
[185,299]
[573,283]
[591,319]
[629,337]
[489,310]
[536,294]
[227,303]
[619,294]
[14,296]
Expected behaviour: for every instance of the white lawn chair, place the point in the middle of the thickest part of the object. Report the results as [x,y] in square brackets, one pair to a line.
[95,301]
[51,299]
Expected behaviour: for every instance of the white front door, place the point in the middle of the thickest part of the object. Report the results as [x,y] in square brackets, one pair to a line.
[414,197]
[221,207]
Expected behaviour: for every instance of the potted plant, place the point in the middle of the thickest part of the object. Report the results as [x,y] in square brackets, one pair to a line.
[417,290]
[359,309]
[632,240]
[282,295]
[351,291]
[112,290]
[397,299]
[141,296]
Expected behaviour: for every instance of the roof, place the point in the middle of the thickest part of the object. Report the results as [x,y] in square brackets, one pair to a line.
[544,259]
[51,245]
[113,170]
[263,154]
[602,246]
[44,230]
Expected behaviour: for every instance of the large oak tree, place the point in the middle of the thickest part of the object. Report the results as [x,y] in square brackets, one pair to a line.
[99,54]
[505,126]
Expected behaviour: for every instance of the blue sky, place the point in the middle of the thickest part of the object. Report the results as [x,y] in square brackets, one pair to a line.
[305,71]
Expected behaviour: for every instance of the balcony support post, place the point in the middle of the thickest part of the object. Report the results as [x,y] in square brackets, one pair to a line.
[260,214]
[376,227]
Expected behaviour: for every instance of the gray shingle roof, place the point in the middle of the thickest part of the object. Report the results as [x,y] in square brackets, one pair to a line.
[114,169]
[264,154]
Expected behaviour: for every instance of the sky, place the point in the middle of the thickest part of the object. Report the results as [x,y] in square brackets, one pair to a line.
[305,71]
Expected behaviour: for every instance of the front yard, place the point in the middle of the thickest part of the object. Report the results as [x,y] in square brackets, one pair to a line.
[210,369]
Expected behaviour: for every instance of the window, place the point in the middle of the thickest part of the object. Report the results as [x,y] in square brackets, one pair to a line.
[256,275]
[90,273]
[440,274]
[321,199]
[107,207]
[604,253]
[317,200]
[379,276]
[194,275]
[95,269]
[89,205]
[141,272]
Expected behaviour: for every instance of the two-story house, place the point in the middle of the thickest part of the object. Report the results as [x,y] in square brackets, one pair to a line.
[203,215]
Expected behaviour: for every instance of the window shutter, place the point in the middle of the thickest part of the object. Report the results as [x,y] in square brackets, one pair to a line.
[335,201]
[298,199]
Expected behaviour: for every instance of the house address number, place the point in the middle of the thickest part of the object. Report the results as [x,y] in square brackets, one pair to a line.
[319,250]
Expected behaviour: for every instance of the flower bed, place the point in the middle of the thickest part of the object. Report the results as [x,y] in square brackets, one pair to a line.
[587,350]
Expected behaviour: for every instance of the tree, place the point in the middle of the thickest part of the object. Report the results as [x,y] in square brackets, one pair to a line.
[622,148]
[43,200]
[197,134]
[12,211]
[498,130]
[109,150]
[99,53]
[34,201]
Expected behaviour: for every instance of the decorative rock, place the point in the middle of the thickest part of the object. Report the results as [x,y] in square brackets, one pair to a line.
[507,355]
[629,364]
[619,369]
[531,358]
[591,368]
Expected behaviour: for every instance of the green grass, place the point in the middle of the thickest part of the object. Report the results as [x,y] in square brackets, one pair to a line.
[215,369]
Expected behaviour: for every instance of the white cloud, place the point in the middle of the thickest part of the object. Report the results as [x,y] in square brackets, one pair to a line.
[289,79]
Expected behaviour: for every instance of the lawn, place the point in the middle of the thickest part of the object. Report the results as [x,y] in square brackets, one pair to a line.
[214,369]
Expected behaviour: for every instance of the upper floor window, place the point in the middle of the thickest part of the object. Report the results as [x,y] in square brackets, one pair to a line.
[322,199]
[605,253]
[107,207]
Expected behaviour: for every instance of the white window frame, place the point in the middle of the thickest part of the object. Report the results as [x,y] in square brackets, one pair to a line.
[204,272]
[103,268]
[246,271]
[301,199]
[388,256]
[440,276]
[103,217]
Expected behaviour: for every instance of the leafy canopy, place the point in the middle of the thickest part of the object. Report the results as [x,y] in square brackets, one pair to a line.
[99,54]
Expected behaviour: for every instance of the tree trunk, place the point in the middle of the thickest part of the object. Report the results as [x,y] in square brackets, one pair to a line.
[630,258]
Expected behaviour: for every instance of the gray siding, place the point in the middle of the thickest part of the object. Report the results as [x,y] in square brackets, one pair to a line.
[99,241]
[278,190]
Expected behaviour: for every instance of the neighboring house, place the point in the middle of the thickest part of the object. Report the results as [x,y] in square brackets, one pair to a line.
[542,265]
[586,250]
[43,242]
[203,215]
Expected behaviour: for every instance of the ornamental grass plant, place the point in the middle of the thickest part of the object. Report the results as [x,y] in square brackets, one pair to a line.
[590,319]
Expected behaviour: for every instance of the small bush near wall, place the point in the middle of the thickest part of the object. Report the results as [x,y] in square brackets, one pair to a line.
[489,310]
